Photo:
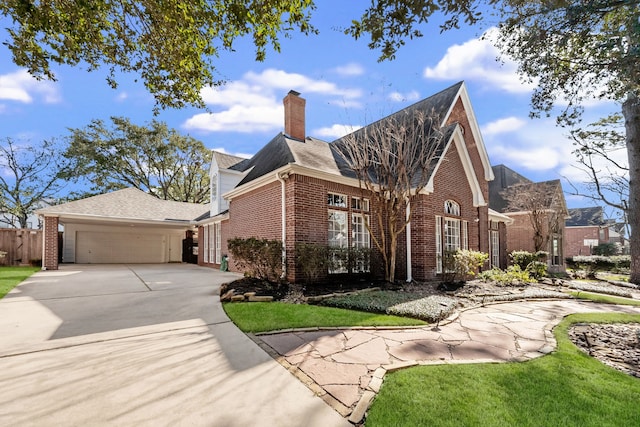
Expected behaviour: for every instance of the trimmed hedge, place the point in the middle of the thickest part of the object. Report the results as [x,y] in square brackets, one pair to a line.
[593,263]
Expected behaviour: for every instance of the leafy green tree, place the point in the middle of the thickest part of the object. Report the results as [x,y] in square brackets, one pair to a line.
[154,159]
[172,44]
[30,175]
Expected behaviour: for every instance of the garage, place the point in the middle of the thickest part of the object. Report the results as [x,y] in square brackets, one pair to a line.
[116,248]
[123,227]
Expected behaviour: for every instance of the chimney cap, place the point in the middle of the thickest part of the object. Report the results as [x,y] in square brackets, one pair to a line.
[294,93]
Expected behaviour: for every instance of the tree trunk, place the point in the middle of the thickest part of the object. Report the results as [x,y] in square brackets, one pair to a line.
[631,113]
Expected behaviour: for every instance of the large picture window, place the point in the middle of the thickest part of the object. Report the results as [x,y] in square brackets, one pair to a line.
[452,233]
[347,233]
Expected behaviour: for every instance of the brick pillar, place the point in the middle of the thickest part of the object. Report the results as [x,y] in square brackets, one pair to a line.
[50,243]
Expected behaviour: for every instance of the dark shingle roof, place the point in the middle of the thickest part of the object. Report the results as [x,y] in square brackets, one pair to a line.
[504,178]
[581,217]
[320,155]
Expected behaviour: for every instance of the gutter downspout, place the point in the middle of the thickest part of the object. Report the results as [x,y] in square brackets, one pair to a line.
[408,213]
[282,178]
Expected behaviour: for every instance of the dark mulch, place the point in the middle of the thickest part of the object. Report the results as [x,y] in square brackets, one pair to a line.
[280,290]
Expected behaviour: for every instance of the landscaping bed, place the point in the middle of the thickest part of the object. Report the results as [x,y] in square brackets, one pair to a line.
[429,301]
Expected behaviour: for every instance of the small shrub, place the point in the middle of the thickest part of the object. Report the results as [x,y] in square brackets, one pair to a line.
[460,264]
[537,269]
[312,260]
[259,258]
[513,275]
[467,262]
[524,258]
[605,249]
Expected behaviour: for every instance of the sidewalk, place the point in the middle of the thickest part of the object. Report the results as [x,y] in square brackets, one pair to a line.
[346,367]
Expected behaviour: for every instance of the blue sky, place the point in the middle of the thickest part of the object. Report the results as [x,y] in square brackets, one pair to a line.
[344,85]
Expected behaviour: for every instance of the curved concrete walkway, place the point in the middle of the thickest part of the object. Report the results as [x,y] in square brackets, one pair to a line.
[139,345]
[347,366]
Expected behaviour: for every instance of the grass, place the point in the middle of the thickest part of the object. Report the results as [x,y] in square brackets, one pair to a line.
[11,276]
[272,316]
[565,388]
[607,299]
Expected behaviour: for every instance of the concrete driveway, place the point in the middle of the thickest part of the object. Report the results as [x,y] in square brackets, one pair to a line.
[132,345]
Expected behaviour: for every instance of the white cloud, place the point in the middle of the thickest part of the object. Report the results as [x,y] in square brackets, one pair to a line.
[122,96]
[403,97]
[254,103]
[506,125]
[238,118]
[476,60]
[335,131]
[20,86]
[349,70]
[532,145]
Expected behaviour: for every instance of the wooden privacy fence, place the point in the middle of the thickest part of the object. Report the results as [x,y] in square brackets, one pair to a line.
[20,246]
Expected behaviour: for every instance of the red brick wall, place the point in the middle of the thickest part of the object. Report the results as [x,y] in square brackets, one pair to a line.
[50,261]
[254,214]
[575,236]
[450,183]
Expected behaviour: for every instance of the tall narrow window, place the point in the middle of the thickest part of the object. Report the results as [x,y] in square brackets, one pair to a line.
[212,244]
[218,243]
[556,254]
[361,241]
[338,238]
[438,244]
[494,239]
[205,244]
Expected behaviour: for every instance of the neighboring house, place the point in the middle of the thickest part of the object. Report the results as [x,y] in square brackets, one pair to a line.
[298,189]
[125,226]
[586,228]
[552,205]
[34,222]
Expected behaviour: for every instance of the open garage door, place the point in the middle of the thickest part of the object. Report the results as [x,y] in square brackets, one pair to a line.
[93,247]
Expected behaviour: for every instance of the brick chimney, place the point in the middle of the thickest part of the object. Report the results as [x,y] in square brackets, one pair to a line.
[294,115]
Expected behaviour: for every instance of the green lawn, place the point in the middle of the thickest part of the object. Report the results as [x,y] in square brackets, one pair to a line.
[565,388]
[273,316]
[11,276]
[608,299]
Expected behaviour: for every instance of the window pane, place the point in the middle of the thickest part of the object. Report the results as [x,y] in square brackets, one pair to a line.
[337,200]
[337,232]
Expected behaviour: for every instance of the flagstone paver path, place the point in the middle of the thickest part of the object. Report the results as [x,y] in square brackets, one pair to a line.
[346,366]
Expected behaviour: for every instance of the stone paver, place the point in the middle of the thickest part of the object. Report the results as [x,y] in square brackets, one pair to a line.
[349,365]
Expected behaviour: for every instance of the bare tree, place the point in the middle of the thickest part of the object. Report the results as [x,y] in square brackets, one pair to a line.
[393,160]
[601,153]
[542,201]
[29,175]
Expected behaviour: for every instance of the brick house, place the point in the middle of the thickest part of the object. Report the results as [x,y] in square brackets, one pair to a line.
[586,228]
[297,189]
[551,208]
